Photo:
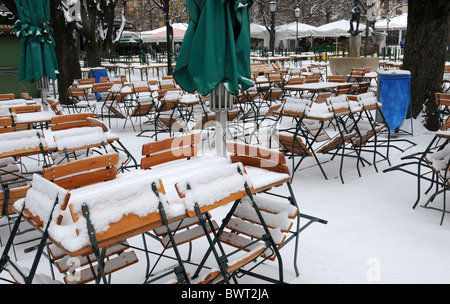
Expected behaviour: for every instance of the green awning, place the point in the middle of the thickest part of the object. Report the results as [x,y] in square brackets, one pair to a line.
[37,49]
[216,47]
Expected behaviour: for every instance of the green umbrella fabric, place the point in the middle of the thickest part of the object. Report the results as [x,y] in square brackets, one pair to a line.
[216,47]
[37,47]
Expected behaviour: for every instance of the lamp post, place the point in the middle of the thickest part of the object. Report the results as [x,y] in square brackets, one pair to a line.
[272,7]
[297,17]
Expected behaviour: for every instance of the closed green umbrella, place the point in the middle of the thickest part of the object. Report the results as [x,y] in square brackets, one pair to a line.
[37,49]
[216,47]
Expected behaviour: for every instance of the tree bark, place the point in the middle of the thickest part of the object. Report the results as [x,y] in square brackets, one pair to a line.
[169,36]
[424,56]
[65,50]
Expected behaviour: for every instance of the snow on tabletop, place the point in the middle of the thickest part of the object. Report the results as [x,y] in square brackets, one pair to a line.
[212,185]
[41,197]
[78,137]
[108,202]
[21,140]
[261,177]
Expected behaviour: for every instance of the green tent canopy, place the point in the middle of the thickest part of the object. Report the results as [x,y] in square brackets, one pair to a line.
[216,47]
[37,49]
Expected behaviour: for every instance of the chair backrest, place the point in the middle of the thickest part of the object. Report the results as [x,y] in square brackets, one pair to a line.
[254,156]
[312,78]
[342,89]
[62,122]
[14,194]
[339,105]
[181,147]
[214,187]
[55,106]
[8,96]
[101,87]
[83,172]
[357,73]
[41,198]
[295,107]
[166,84]
[84,81]
[77,92]
[443,99]
[363,87]
[296,80]
[6,124]
[322,97]
[26,109]
[335,78]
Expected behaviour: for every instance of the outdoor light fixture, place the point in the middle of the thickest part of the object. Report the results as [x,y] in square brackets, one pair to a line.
[297,17]
[272,6]
[297,13]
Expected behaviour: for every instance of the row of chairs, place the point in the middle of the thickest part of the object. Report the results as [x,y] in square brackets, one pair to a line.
[349,117]
[265,242]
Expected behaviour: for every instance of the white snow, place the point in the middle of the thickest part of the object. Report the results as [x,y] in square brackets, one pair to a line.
[372,236]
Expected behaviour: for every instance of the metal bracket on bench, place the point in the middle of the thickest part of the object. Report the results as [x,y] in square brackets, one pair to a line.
[94,243]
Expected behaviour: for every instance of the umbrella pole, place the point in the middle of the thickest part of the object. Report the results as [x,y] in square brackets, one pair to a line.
[221,101]
[221,127]
[42,85]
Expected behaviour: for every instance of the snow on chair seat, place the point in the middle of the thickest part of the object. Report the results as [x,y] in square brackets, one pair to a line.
[208,190]
[212,188]
[266,167]
[37,208]
[22,143]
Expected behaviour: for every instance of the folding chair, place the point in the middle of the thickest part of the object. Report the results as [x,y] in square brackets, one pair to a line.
[143,103]
[439,162]
[443,103]
[165,119]
[367,127]
[110,106]
[356,74]
[200,196]
[55,106]
[359,88]
[267,169]
[37,208]
[427,163]
[82,99]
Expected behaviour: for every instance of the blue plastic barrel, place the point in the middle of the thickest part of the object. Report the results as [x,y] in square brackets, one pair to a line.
[394,93]
[98,73]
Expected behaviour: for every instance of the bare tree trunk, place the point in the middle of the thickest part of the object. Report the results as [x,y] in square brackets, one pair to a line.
[89,32]
[425,53]
[65,50]
[169,36]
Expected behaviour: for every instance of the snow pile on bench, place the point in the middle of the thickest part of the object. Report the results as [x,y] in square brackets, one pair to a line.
[21,140]
[214,185]
[79,137]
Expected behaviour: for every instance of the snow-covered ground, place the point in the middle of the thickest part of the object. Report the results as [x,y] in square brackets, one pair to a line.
[372,236]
